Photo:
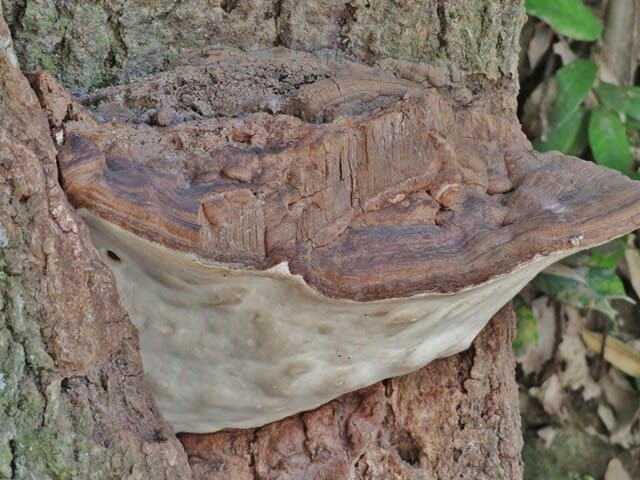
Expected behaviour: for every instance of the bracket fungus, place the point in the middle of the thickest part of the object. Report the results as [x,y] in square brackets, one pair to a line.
[274,260]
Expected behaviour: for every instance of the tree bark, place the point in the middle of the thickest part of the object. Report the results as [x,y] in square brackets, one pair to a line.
[73,402]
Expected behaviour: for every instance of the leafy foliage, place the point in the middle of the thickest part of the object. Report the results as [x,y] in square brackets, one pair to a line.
[570,118]
[579,109]
[574,83]
[587,111]
[567,17]
[527,326]
[596,290]
[593,282]
[625,100]
[568,136]
[608,140]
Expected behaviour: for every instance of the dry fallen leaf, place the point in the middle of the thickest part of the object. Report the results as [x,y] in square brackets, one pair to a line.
[565,271]
[619,393]
[573,355]
[538,107]
[632,256]
[616,352]
[539,44]
[628,434]
[591,430]
[607,416]
[605,73]
[548,434]
[551,396]
[575,322]
[575,374]
[535,357]
[616,471]
[563,50]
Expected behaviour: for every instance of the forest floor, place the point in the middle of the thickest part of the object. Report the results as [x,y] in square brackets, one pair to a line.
[579,396]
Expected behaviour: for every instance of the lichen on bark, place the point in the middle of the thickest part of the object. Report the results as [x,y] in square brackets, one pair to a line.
[91,44]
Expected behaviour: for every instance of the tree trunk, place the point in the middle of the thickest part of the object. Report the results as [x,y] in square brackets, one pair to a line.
[73,401]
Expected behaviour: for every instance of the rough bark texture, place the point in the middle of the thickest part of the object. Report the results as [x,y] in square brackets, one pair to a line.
[73,400]
[136,37]
[455,418]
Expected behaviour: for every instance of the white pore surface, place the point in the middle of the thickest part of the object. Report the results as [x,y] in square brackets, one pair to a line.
[241,348]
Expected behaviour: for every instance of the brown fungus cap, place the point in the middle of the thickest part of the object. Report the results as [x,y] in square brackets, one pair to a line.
[418,196]
[279,246]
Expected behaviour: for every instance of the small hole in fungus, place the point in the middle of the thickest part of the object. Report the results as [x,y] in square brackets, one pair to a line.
[113,256]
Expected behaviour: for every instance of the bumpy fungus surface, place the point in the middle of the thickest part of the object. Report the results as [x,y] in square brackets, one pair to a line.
[358,227]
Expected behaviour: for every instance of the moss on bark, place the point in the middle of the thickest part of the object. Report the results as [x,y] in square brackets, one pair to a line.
[93,43]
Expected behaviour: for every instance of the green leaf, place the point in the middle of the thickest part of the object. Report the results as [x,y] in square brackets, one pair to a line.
[567,137]
[581,140]
[608,140]
[567,17]
[603,256]
[633,124]
[527,327]
[600,287]
[620,99]
[606,259]
[568,130]
[574,83]
[605,282]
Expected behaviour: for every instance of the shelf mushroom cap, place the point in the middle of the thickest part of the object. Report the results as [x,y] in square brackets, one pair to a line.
[272,264]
